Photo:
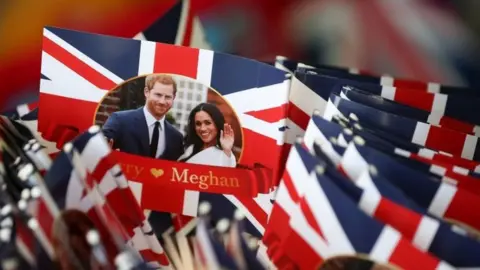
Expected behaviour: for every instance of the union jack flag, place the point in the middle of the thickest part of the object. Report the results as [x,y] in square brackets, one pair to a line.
[330,222]
[79,68]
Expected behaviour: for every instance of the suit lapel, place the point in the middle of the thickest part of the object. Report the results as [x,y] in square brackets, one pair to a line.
[168,134]
[140,129]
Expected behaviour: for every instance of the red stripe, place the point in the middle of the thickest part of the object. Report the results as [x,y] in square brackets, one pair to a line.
[456,124]
[464,208]
[149,256]
[459,161]
[446,140]
[312,221]
[399,217]
[410,84]
[270,115]
[299,117]
[292,191]
[408,257]
[174,204]
[77,65]
[176,59]
[413,98]
[300,252]
[465,182]
[45,218]
[58,110]
[32,106]
[254,209]
[278,227]
[268,156]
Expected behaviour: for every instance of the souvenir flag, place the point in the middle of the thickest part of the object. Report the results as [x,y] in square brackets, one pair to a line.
[390,82]
[376,197]
[334,214]
[258,94]
[94,152]
[441,199]
[386,105]
[433,137]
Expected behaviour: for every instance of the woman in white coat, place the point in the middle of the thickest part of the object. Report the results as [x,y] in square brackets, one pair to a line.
[209,140]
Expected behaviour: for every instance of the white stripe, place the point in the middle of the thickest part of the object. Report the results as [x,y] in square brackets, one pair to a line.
[140,36]
[205,66]
[22,110]
[445,266]
[425,233]
[353,163]
[385,245]
[247,213]
[460,170]
[73,196]
[331,153]
[434,118]
[386,81]
[293,131]
[305,98]
[83,57]
[261,127]
[65,82]
[477,169]
[283,199]
[354,71]
[263,258]
[301,226]
[313,134]
[438,170]
[182,23]
[426,153]
[388,92]
[330,111]
[433,87]
[136,189]
[371,197]
[325,215]
[190,203]
[341,141]
[442,199]
[439,103]
[263,200]
[402,152]
[420,134]
[25,252]
[469,147]
[476,130]
[261,98]
[147,57]
[298,172]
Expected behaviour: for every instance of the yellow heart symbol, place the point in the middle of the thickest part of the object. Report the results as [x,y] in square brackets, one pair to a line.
[156,172]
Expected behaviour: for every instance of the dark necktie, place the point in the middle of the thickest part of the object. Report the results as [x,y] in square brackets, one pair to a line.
[154,144]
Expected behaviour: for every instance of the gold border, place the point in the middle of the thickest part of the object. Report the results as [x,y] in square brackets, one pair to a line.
[360,256]
[173,74]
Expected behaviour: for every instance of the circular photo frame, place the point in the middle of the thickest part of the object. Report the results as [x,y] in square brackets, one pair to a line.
[197,111]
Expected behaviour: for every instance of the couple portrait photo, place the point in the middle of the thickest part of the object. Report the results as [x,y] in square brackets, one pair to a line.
[171,117]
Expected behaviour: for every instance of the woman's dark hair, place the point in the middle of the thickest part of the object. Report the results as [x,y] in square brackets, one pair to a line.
[192,138]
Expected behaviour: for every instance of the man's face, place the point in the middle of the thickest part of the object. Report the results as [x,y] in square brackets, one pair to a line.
[159,99]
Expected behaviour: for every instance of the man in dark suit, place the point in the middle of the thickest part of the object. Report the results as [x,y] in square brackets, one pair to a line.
[144,131]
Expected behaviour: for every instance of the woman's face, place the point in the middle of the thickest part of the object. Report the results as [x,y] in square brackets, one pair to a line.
[205,128]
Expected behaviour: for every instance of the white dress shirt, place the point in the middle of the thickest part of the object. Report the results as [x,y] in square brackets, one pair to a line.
[151,124]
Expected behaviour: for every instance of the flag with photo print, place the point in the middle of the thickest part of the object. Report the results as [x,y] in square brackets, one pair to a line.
[78,69]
